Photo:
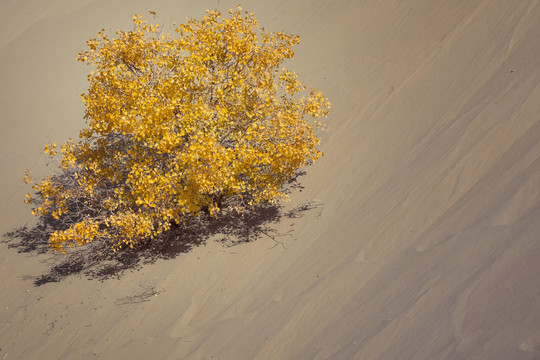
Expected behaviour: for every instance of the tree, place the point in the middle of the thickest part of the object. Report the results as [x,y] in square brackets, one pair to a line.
[202,121]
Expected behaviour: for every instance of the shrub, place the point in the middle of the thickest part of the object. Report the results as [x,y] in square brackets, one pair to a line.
[205,120]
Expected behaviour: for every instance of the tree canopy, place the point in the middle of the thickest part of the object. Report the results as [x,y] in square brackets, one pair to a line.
[204,119]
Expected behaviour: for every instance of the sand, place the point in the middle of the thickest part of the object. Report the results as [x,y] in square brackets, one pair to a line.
[423,237]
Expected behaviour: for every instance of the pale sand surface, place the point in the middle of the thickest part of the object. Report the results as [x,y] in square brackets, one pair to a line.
[425,241]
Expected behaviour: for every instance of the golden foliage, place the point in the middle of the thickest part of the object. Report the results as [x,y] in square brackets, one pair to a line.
[202,120]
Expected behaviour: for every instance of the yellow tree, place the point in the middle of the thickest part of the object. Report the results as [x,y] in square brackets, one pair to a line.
[203,120]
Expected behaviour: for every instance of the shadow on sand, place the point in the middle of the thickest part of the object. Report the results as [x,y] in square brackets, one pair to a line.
[98,261]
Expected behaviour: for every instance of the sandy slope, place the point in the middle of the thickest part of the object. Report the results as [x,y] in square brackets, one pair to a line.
[424,243]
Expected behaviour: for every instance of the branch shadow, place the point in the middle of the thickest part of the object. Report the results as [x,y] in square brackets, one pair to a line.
[98,261]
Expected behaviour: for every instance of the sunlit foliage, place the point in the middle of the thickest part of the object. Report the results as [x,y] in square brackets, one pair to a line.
[204,120]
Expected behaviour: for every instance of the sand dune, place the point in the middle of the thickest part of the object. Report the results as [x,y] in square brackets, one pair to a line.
[423,239]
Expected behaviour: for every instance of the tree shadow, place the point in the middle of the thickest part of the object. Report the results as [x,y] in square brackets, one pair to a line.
[98,261]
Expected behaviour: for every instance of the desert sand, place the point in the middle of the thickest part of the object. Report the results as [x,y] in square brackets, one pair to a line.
[422,238]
